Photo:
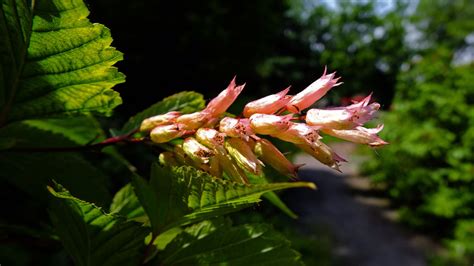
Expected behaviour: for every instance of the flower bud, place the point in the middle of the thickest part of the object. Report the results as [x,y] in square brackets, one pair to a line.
[269,124]
[243,155]
[322,153]
[270,155]
[215,168]
[360,135]
[230,168]
[168,159]
[158,120]
[312,93]
[193,121]
[165,133]
[221,103]
[347,117]
[210,138]
[237,128]
[267,105]
[299,133]
[196,151]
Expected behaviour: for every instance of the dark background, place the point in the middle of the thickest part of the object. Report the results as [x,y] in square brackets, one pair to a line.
[171,46]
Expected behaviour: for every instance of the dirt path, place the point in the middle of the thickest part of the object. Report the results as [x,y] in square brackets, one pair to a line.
[363,234]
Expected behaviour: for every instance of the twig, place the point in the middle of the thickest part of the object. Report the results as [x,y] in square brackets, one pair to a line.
[88,147]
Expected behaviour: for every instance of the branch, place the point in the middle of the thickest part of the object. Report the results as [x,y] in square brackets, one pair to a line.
[88,147]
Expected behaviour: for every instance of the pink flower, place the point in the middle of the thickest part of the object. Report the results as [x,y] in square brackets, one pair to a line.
[347,117]
[165,133]
[158,120]
[312,93]
[221,103]
[267,105]
[360,135]
[193,120]
[298,133]
[237,128]
[323,153]
[269,124]
[270,155]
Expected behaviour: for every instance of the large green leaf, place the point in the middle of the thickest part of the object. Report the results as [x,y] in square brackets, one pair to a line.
[184,195]
[207,243]
[185,102]
[54,61]
[93,237]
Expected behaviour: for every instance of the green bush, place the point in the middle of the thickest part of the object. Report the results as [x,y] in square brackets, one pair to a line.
[429,166]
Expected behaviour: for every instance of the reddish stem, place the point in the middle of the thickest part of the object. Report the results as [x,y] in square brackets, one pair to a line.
[88,147]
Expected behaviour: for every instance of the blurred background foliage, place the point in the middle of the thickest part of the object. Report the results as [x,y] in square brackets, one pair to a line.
[415,56]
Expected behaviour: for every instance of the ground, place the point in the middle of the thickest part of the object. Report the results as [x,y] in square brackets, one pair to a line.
[363,226]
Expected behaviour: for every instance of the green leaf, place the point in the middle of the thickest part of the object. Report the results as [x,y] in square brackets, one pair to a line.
[184,195]
[185,102]
[31,171]
[272,197]
[93,237]
[125,202]
[251,244]
[54,61]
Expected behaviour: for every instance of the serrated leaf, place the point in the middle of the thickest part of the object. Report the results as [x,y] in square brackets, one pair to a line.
[54,61]
[184,195]
[251,244]
[125,202]
[185,102]
[93,237]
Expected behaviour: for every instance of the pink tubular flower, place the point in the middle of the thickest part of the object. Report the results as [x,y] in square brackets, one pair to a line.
[193,120]
[237,128]
[267,105]
[196,151]
[323,153]
[343,117]
[158,120]
[312,93]
[298,133]
[360,135]
[269,124]
[219,105]
[165,133]
[270,155]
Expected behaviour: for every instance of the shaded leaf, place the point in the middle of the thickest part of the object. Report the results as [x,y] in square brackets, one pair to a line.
[93,237]
[125,202]
[252,244]
[31,171]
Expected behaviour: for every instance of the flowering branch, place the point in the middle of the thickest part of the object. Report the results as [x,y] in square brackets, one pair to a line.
[225,145]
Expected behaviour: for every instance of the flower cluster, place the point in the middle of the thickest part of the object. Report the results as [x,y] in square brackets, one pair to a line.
[220,144]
